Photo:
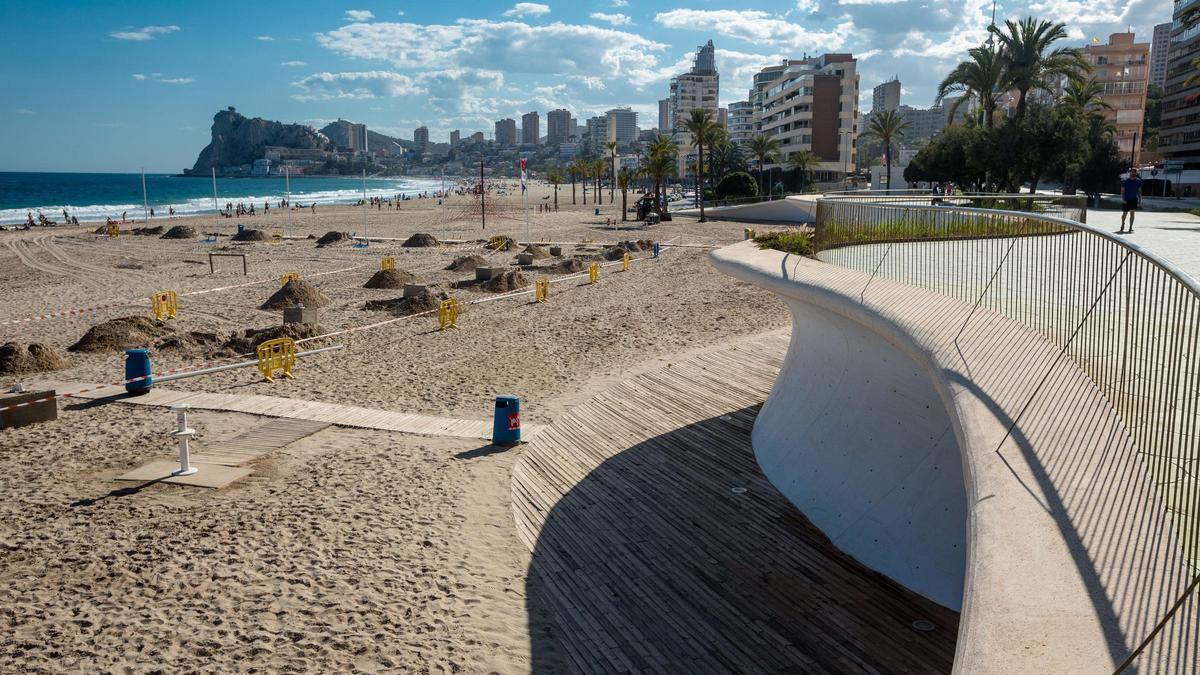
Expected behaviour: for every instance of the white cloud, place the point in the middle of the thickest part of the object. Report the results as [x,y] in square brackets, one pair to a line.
[176,80]
[614,19]
[510,46]
[355,85]
[808,6]
[359,15]
[265,38]
[23,111]
[143,33]
[294,64]
[620,3]
[757,27]
[870,2]
[139,77]
[528,9]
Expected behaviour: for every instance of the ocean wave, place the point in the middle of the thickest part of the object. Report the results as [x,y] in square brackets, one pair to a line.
[204,205]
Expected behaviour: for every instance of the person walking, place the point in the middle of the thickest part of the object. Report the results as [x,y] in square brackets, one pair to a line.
[1131,198]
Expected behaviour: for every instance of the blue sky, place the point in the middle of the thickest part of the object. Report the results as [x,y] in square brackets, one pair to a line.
[106,86]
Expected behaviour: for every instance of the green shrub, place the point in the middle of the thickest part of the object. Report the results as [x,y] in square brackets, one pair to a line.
[788,241]
[736,185]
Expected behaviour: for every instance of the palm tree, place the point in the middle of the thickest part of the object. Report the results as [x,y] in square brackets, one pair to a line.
[555,177]
[887,126]
[702,127]
[573,170]
[660,164]
[765,149]
[981,77]
[1085,96]
[1028,62]
[624,180]
[611,146]
[803,161]
[599,168]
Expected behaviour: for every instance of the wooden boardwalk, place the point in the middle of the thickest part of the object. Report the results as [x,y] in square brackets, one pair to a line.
[250,445]
[275,406]
[659,546]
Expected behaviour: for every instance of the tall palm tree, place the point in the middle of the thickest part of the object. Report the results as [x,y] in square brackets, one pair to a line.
[887,126]
[981,77]
[611,146]
[573,170]
[556,178]
[1085,96]
[599,168]
[624,180]
[765,149]
[1029,63]
[804,161]
[659,165]
[701,125]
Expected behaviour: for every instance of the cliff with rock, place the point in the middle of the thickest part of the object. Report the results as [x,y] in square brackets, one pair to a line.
[238,140]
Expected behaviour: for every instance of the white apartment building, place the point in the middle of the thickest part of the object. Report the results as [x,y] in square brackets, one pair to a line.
[813,105]
[621,126]
[697,88]
[741,123]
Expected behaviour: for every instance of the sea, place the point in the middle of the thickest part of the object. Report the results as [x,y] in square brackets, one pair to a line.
[96,196]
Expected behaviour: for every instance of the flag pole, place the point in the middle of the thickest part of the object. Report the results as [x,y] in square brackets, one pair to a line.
[364,213]
[287,187]
[214,178]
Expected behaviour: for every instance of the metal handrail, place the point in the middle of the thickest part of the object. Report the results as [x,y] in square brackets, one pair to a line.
[1096,296]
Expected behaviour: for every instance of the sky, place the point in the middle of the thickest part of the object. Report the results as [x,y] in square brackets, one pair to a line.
[116,86]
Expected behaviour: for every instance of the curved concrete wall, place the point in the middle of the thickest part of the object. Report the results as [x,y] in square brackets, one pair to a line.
[791,210]
[855,435]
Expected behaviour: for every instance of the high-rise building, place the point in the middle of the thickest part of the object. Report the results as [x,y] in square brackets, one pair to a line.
[741,123]
[621,126]
[697,88]
[1160,45]
[886,96]
[348,135]
[1122,67]
[476,137]
[597,132]
[923,123]
[813,105]
[455,138]
[531,128]
[506,132]
[421,139]
[664,116]
[558,126]
[723,117]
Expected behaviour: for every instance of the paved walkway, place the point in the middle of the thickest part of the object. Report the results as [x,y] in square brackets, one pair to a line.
[659,546]
[275,406]
[1173,236]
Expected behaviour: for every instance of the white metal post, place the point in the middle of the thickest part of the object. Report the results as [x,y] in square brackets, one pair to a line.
[145,201]
[184,434]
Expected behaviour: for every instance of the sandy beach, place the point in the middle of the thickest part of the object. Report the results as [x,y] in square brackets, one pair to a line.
[352,549]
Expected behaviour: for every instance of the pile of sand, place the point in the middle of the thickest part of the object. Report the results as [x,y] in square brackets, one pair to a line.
[294,293]
[35,357]
[507,245]
[180,232]
[390,279]
[250,235]
[570,266]
[157,229]
[619,250]
[509,281]
[191,342]
[333,239]
[467,263]
[423,302]
[125,332]
[245,342]
[538,252]
[420,240]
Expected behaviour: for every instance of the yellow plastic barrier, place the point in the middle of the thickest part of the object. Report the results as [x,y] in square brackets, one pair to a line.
[112,230]
[279,354]
[388,263]
[498,243]
[289,276]
[276,237]
[541,290]
[593,273]
[448,314]
[625,263]
[165,305]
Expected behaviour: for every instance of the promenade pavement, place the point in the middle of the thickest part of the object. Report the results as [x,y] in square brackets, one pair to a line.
[1173,236]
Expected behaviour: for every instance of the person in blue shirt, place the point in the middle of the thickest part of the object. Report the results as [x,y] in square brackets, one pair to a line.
[1131,198]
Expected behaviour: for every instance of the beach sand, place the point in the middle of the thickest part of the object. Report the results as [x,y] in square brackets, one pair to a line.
[351,549]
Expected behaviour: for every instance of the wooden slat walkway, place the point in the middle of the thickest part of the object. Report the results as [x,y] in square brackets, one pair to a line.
[275,406]
[249,446]
[649,560]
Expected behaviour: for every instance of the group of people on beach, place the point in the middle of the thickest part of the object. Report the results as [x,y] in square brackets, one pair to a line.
[43,221]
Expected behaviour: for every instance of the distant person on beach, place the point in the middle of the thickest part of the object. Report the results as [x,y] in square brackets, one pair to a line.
[123,220]
[314,207]
[172,211]
[1131,199]
[151,213]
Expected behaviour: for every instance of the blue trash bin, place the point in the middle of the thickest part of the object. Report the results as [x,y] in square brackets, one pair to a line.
[597,210]
[137,364]
[241,228]
[656,249]
[506,426]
